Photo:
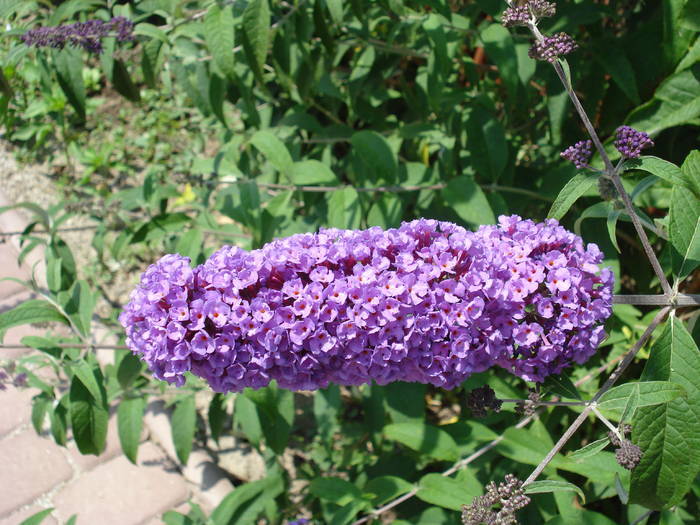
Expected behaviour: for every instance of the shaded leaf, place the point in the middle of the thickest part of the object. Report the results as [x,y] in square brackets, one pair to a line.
[468,201]
[129,424]
[424,438]
[336,490]
[219,35]
[570,193]
[183,425]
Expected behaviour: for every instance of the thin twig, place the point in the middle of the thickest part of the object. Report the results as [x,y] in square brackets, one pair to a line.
[610,171]
[658,300]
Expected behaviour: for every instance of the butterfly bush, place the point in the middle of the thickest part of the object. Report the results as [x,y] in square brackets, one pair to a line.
[429,302]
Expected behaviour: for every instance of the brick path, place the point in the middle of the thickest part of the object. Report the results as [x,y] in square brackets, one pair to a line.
[37,474]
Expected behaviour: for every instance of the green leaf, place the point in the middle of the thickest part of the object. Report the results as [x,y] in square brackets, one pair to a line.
[216,415]
[219,35]
[36,519]
[447,492]
[468,201]
[405,401]
[344,209]
[59,420]
[499,47]
[335,490]
[190,244]
[582,517]
[32,311]
[69,73]
[230,508]
[129,423]
[310,172]
[426,439]
[374,155]
[589,450]
[40,406]
[668,434]
[256,30]
[89,378]
[336,9]
[551,485]
[129,369]
[386,211]
[614,61]
[665,170]
[562,386]
[79,303]
[327,405]
[570,193]
[122,82]
[245,414]
[649,392]
[486,140]
[611,223]
[386,488]
[183,425]
[89,415]
[684,222]
[275,151]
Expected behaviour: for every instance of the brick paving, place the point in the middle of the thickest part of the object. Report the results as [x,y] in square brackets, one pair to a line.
[37,474]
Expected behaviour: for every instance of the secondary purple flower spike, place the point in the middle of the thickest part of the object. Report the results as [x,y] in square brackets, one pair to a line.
[429,302]
[580,153]
[87,35]
[630,142]
[520,15]
[552,47]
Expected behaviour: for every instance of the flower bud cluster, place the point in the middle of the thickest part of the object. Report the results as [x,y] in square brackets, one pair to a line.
[580,153]
[87,35]
[429,302]
[520,15]
[630,142]
[481,400]
[553,47]
[509,494]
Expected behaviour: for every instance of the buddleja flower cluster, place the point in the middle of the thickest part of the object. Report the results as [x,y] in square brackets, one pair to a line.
[87,35]
[429,302]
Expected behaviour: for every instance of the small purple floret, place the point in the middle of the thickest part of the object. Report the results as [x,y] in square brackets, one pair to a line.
[580,153]
[553,47]
[630,142]
[429,302]
[87,35]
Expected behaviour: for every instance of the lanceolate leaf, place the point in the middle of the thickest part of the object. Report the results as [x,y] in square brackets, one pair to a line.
[684,221]
[183,424]
[468,201]
[256,28]
[552,485]
[669,434]
[69,73]
[570,193]
[89,415]
[446,492]
[129,423]
[218,32]
[424,438]
[32,311]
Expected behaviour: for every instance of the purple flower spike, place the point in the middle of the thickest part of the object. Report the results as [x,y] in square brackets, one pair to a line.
[429,302]
[553,47]
[580,153]
[630,142]
[87,35]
